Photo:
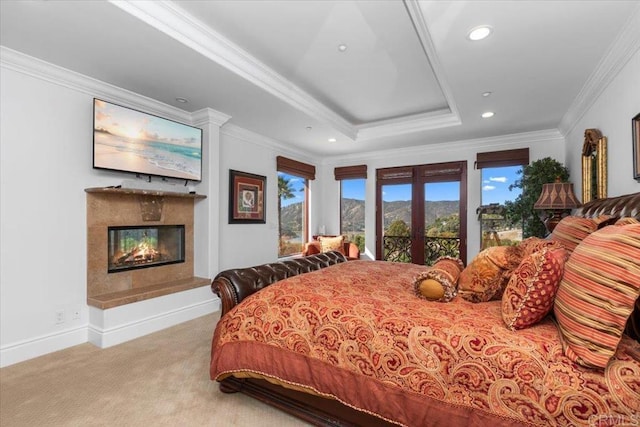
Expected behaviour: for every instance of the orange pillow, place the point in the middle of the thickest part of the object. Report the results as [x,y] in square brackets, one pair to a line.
[487,275]
[532,288]
[625,220]
[572,230]
[328,244]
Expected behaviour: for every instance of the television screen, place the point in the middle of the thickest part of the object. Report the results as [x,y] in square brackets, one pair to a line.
[132,141]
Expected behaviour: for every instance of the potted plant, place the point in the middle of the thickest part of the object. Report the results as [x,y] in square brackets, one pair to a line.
[534,176]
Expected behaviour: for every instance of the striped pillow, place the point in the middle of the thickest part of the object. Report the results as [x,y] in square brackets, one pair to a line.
[627,220]
[600,285]
[572,230]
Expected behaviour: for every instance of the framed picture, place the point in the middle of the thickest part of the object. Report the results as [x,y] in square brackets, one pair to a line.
[246,198]
[635,124]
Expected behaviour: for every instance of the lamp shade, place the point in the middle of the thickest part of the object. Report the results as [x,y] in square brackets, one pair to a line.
[557,195]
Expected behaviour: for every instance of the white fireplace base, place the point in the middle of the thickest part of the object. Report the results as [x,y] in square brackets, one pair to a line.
[116,325]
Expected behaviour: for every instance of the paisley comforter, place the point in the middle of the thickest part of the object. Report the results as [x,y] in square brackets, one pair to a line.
[357,333]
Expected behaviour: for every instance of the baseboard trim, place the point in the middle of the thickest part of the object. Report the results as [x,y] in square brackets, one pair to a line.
[29,349]
[110,327]
[120,324]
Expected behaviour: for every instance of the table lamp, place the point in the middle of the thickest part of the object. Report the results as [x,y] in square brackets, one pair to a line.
[556,197]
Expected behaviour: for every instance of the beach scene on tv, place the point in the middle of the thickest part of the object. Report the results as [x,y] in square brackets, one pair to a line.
[132,141]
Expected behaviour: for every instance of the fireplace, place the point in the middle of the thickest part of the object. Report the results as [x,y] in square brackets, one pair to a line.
[134,247]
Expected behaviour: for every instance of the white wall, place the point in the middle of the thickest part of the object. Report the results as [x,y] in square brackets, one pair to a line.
[611,112]
[244,245]
[46,118]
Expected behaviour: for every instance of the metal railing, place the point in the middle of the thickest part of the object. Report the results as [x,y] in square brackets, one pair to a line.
[398,248]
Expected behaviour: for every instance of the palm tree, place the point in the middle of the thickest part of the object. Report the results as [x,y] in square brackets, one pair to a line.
[285,191]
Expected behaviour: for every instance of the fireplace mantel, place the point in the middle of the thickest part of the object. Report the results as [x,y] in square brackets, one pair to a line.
[117,207]
[138,192]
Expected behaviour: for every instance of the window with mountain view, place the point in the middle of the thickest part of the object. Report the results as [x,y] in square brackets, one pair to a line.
[499,171]
[292,213]
[496,229]
[418,212]
[352,210]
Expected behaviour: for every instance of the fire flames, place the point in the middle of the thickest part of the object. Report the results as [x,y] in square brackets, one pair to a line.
[141,254]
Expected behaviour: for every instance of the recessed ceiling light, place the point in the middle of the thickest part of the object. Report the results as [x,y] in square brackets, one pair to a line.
[342,47]
[332,140]
[479,33]
[308,128]
[488,114]
[485,94]
[182,100]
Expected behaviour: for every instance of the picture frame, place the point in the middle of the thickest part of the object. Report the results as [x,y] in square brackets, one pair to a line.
[635,126]
[246,198]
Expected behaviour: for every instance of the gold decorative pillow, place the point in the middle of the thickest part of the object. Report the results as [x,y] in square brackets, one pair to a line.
[532,288]
[328,244]
[439,282]
[487,275]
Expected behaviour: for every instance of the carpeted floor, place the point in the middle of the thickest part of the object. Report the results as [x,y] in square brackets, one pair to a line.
[161,379]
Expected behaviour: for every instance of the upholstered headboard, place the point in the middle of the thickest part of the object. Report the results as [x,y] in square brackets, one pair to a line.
[621,206]
[234,285]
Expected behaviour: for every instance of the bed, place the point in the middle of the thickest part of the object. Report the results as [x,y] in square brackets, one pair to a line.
[351,343]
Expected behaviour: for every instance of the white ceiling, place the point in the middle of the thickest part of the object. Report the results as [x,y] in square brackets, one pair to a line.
[409,75]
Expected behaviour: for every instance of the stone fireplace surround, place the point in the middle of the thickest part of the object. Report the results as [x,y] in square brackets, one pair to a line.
[131,207]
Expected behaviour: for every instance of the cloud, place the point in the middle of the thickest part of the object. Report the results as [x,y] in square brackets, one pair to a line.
[502,179]
[488,187]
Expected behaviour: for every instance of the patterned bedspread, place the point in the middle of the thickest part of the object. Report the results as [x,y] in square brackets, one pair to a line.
[357,333]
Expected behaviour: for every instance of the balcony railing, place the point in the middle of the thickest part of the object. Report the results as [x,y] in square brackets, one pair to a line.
[398,248]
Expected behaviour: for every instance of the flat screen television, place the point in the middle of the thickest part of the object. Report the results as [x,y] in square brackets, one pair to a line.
[128,140]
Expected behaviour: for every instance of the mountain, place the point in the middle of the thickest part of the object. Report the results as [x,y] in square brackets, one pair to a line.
[353,214]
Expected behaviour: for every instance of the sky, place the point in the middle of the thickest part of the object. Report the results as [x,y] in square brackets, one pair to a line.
[134,124]
[297,184]
[495,188]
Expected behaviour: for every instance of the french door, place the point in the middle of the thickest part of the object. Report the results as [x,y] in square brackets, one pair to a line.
[421,212]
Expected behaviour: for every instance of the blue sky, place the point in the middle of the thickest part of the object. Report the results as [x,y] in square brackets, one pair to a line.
[495,188]
[297,184]
[496,182]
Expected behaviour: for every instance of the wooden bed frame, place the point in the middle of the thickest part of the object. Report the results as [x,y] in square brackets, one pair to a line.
[232,286]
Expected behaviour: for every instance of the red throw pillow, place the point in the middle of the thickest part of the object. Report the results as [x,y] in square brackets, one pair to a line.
[532,288]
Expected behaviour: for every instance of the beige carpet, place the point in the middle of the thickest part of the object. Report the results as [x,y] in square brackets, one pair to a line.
[161,379]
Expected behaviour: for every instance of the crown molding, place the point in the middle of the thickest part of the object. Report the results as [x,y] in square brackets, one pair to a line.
[37,68]
[408,124]
[511,140]
[34,67]
[186,29]
[420,24]
[208,115]
[620,52]
[177,23]
[246,135]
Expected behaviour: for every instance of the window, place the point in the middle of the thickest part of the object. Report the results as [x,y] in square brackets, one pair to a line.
[418,211]
[499,171]
[293,202]
[353,180]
